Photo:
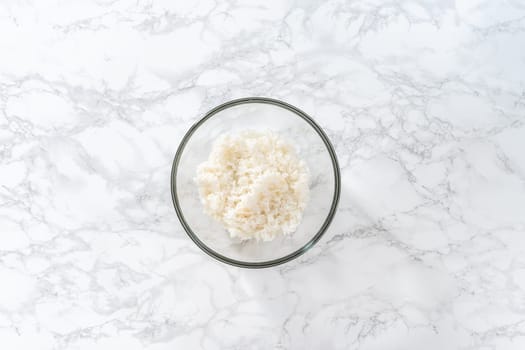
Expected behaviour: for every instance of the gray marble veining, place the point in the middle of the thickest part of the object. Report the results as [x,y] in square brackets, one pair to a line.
[424,102]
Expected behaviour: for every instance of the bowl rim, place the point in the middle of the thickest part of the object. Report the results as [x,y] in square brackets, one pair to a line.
[335,198]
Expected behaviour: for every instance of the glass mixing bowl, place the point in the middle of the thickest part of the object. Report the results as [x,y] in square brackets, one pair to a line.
[313,146]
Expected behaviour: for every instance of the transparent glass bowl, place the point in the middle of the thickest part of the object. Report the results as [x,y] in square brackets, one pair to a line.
[313,146]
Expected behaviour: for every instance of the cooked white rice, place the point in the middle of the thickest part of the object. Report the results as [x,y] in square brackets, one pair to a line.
[254,184]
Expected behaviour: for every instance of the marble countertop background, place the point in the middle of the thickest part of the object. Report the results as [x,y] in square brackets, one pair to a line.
[424,102]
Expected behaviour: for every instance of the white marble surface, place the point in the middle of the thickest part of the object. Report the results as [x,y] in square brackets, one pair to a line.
[424,101]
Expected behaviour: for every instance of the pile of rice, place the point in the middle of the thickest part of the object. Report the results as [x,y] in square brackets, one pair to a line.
[254,184]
